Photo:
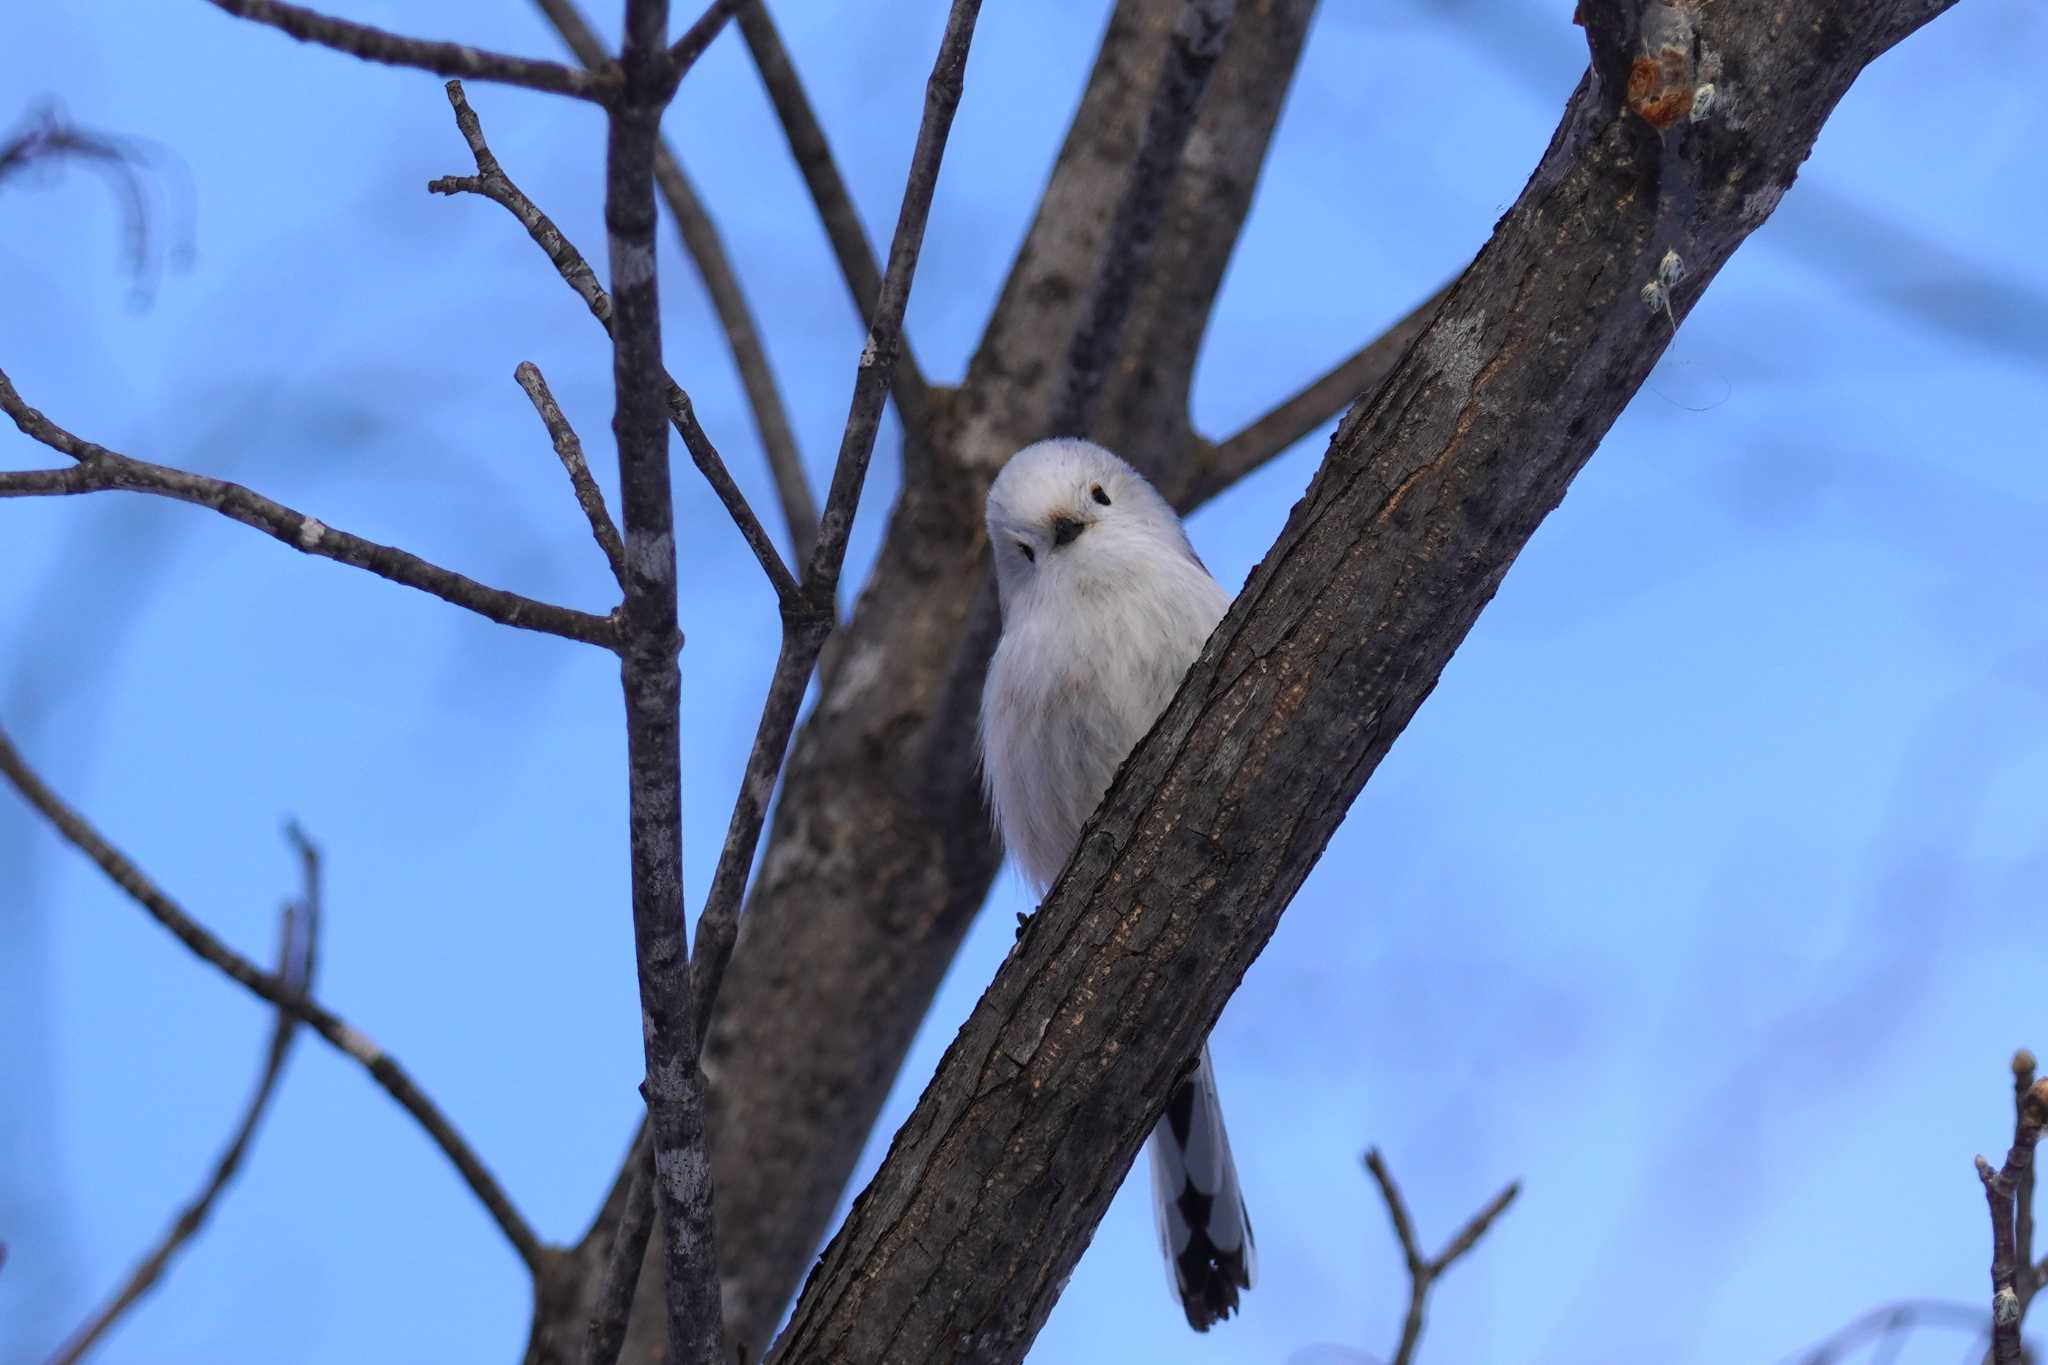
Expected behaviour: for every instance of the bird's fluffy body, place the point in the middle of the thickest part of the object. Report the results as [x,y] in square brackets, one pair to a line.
[1105,605]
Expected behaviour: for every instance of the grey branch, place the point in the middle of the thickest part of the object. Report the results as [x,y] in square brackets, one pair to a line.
[1425,1271]
[674,1087]
[280,991]
[614,1307]
[98,469]
[492,183]
[569,450]
[805,633]
[447,59]
[961,1244]
[688,48]
[298,939]
[1319,401]
[2002,1186]
[834,204]
[707,252]
[1196,41]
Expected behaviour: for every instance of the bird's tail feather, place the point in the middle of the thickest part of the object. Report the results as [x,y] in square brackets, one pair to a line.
[1203,1227]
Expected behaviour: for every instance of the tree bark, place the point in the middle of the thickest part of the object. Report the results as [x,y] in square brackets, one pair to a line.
[1432,485]
[880,851]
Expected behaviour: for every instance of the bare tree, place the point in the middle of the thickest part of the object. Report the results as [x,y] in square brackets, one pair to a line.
[770,1045]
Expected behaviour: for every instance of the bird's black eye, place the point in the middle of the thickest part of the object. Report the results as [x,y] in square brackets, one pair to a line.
[1029,553]
[1100,496]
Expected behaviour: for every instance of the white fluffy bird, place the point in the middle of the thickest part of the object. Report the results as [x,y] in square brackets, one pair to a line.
[1104,608]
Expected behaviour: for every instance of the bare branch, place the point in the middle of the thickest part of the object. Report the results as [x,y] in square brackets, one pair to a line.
[696,38]
[298,939]
[280,991]
[1320,401]
[569,451]
[99,469]
[2026,1275]
[622,1260]
[707,252]
[447,59]
[1891,1323]
[834,204]
[1425,1271]
[1197,40]
[805,633]
[50,138]
[962,1243]
[492,183]
[2001,1193]
[674,1088]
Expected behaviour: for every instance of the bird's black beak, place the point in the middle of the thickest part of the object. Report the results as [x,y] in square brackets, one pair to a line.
[1065,529]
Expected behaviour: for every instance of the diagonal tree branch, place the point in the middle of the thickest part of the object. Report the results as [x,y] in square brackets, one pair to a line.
[1425,1271]
[297,950]
[1433,484]
[707,252]
[607,1330]
[688,48]
[569,450]
[447,59]
[99,469]
[834,204]
[1319,401]
[281,992]
[1195,42]
[492,183]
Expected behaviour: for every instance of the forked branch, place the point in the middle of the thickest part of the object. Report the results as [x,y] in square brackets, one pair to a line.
[280,991]
[98,469]
[298,939]
[1425,1271]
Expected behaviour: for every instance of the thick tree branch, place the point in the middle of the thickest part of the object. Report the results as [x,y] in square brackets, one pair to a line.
[447,59]
[492,183]
[1319,401]
[804,632]
[569,450]
[1433,484]
[834,204]
[99,469]
[281,992]
[1425,1271]
[707,252]
[1196,41]
[880,850]
[674,1088]
[298,939]
[2002,1186]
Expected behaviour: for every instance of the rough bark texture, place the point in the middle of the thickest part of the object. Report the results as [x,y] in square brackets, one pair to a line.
[880,850]
[1433,484]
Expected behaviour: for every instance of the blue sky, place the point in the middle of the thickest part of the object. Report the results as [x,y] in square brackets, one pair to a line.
[1703,896]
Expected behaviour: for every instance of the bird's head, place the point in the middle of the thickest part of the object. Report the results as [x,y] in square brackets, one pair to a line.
[1065,515]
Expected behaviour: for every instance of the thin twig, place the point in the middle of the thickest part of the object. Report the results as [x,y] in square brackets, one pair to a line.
[706,249]
[99,469]
[1890,1324]
[448,59]
[614,1306]
[2026,1275]
[298,939]
[696,38]
[834,204]
[1195,43]
[126,162]
[569,451]
[2001,1188]
[279,991]
[805,629]
[1424,1271]
[492,183]
[1322,399]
